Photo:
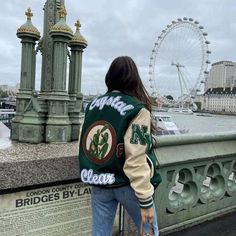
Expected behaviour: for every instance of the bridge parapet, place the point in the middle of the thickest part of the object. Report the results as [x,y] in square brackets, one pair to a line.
[198,172]
[198,179]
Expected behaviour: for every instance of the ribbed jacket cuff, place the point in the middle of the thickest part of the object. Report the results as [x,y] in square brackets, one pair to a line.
[146,203]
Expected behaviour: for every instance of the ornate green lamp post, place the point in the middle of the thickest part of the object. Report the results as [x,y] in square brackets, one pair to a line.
[51,17]
[28,35]
[77,44]
[53,114]
[58,125]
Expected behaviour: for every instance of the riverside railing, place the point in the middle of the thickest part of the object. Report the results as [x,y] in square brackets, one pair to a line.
[198,179]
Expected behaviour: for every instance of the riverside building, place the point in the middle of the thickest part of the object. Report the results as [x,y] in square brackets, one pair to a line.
[220,89]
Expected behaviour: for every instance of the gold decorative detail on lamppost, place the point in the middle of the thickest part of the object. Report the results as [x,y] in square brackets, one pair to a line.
[78,38]
[77,24]
[29,14]
[28,27]
[62,12]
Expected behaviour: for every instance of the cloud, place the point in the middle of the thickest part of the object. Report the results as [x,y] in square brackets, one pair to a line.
[114,28]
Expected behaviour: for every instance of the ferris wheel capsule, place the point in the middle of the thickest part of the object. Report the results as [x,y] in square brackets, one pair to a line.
[207,42]
[205,34]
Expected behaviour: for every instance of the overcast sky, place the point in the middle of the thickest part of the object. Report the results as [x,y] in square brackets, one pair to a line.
[113,28]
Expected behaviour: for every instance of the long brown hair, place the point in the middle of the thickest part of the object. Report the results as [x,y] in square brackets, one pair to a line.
[123,76]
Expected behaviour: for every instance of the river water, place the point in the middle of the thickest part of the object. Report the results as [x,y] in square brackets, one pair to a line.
[204,124]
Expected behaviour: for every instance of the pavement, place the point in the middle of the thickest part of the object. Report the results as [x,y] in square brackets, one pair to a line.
[221,226]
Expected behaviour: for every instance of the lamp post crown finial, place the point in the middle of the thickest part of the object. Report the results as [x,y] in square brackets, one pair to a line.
[77,24]
[29,14]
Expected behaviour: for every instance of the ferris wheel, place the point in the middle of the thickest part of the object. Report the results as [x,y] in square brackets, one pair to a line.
[179,62]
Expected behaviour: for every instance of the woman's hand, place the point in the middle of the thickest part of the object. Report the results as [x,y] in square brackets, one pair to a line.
[147,215]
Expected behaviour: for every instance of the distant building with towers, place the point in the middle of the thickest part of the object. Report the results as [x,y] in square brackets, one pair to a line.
[220,88]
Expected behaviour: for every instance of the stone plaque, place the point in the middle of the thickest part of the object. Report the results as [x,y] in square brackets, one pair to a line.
[60,210]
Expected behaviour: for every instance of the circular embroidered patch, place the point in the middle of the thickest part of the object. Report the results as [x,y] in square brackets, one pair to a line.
[99,142]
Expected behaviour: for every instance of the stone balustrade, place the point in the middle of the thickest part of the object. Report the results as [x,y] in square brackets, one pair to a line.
[198,179]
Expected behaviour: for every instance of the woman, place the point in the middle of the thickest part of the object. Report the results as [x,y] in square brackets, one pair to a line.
[116,155]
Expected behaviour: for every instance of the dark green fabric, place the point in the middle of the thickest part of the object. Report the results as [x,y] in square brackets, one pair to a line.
[156,179]
[111,119]
[120,124]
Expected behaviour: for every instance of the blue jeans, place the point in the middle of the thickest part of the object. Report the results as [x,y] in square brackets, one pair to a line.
[104,205]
